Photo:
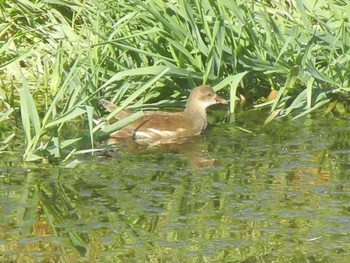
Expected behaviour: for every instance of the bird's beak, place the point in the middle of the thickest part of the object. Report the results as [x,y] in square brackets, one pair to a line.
[220,100]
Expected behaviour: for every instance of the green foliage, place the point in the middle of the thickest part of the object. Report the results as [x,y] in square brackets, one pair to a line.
[57,58]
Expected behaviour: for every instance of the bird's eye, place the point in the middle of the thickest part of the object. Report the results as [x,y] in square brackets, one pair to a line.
[209,95]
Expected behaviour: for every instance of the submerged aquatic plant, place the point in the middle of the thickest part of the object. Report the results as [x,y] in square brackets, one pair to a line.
[58,58]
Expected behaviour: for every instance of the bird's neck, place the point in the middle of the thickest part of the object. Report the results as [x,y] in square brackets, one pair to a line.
[198,117]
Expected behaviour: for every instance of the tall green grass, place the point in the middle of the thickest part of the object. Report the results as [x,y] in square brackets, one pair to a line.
[57,58]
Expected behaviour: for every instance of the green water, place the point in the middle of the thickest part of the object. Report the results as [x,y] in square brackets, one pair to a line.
[279,193]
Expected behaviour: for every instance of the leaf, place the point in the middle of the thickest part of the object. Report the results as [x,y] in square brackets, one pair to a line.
[126,102]
[90,118]
[29,113]
[4,116]
[67,117]
[122,123]
[293,73]
[72,164]
[234,82]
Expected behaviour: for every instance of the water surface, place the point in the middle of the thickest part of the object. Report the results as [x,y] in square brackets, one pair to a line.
[279,193]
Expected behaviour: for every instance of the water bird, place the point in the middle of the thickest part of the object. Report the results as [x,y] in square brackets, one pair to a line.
[166,126]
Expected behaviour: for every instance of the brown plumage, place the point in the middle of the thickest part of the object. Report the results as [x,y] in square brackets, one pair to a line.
[158,125]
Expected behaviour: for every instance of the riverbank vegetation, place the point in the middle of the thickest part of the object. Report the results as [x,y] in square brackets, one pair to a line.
[58,58]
